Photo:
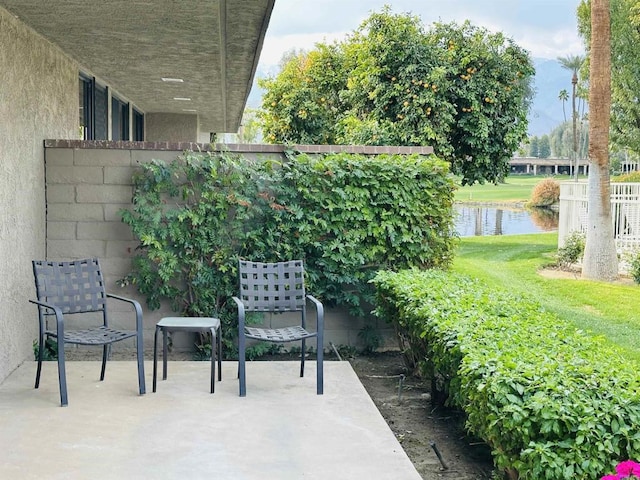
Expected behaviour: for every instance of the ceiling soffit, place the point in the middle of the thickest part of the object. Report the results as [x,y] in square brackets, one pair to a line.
[212,45]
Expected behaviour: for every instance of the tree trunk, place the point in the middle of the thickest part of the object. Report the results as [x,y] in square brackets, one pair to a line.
[600,260]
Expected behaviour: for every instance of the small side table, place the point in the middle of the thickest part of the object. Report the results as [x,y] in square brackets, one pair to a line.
[188,324]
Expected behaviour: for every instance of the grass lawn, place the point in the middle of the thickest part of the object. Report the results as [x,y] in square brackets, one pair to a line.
[512,262]
[515,189]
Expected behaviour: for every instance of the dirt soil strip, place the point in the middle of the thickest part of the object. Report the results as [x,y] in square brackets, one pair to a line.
[405,403]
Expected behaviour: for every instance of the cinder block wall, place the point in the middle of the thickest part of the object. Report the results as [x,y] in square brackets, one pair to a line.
[89,182]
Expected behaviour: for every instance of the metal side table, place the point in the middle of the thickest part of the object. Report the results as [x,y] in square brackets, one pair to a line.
[188,324]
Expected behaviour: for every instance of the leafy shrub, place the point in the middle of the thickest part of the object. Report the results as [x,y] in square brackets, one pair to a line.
[634,266]
[345,215]
[370,338]
[631,177]
[551,402]
[355,215]
[50,351]
[545,193]
[572,250]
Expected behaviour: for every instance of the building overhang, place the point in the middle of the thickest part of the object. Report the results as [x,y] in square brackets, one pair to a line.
[165,56]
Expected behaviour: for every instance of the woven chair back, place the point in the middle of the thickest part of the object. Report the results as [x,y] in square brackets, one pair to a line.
[272,287]
[75,287]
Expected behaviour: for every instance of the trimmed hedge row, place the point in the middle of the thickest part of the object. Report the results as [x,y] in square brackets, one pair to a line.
[552,402]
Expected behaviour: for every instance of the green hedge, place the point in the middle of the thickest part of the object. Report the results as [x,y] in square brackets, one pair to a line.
[552,402]
[355,215]
[346,215]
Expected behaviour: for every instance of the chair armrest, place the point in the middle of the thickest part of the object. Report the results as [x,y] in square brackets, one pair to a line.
[241,314]
[319,312]
[136,306]
[58,314]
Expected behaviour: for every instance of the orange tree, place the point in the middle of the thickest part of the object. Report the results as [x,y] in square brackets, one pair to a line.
[301,105]
[459,88]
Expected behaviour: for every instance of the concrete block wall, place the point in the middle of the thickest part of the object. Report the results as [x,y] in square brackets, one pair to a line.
[89,182]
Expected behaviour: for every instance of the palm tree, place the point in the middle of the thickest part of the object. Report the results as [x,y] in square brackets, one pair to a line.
[600,261]
[573,63]
[563,96]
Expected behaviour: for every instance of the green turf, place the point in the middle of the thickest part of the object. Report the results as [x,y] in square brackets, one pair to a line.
[515,189]
[513,262]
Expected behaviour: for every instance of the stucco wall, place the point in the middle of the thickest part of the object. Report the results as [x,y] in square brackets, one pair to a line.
[171,127]
[38,100]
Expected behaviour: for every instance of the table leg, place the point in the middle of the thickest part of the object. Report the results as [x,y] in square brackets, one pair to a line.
[220,354]
[155,359]
[213,359]
[164,354]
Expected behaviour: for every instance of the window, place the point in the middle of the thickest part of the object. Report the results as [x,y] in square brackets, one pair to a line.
[119,119]
[101,112]
[94,114]
[93,109]
[138,126]
[86,107]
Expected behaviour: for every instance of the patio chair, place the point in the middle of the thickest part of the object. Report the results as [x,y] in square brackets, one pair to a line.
[72,288]
[276,288]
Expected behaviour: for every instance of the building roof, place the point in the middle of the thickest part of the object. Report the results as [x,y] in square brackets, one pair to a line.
[212,45]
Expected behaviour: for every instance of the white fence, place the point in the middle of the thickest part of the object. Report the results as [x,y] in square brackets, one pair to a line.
[625,212]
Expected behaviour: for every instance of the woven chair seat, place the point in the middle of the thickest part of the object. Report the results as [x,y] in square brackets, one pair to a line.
[287,334]
[94,336]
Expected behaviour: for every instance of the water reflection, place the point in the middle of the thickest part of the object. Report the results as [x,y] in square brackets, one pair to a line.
[482,220]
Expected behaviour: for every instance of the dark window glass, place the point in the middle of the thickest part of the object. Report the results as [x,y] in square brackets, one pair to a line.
[86,107]
[119,119]
[138,126]
[101,112]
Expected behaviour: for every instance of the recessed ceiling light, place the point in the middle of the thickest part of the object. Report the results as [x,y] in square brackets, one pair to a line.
[182,99]
[189,110]
[172,80]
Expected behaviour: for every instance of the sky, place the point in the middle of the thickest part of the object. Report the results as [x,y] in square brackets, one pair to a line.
[547,28]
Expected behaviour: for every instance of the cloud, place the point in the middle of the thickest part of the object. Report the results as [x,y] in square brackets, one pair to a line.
[559,43]
[275,46]
[546,28]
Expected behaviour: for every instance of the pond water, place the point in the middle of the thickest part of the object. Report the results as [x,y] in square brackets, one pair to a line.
[488,220]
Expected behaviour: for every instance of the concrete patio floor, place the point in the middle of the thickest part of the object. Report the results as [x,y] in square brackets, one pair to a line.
[281,430]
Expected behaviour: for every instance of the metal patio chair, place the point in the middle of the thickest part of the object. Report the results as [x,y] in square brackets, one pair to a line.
[276,288]
[72,288]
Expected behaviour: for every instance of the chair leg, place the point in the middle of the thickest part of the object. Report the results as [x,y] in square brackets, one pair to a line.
[142,388]
[155,358]
[319,367]
[220,354]
[40,355]
[242,366]
[105,355]
[62,375]
[304,348]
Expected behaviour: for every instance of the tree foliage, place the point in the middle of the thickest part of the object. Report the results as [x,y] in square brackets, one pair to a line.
[302,103]
[459,88]
[534,147]
[561,140]
[544,147]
